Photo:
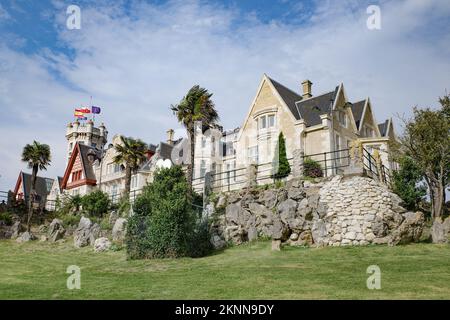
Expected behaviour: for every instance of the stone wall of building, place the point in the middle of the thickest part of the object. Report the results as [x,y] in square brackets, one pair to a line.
[339,211]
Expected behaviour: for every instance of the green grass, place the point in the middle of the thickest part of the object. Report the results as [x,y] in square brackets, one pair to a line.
[252,271]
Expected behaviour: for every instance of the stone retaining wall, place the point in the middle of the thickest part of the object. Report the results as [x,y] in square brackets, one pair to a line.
[341,211]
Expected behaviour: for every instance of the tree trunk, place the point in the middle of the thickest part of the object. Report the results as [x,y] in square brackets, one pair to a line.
[31,195]
[190,167]
[127,182]
[437,200]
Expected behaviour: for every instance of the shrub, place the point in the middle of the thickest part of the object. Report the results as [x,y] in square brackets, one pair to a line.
[406,183]
[312,168]
[164,224]
[281,163]
[70,220]
[6,218]
[95,203]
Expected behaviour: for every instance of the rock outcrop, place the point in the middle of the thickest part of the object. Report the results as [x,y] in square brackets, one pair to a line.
[119,230]
[339,211]
[56,230]
[440,230]
[86,233]
[102,244]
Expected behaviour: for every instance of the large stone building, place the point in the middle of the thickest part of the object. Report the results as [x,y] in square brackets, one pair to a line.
[321,126]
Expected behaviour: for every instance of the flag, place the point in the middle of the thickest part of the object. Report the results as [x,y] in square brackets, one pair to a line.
[78,113]
[83,110]
[95,109]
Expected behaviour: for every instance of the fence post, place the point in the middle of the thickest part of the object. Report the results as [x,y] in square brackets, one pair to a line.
[297,163]
[251,175]
[325,164]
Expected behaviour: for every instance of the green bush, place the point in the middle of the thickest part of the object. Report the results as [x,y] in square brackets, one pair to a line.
[406,183]
[95,203]
[281,163]
[164,224]
[6,218]
[312,168]
[70,219]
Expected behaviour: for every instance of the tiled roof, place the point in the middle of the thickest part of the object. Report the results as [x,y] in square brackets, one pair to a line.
[383,128]
[308,109]
[312,108]
[357,110]
[43,185]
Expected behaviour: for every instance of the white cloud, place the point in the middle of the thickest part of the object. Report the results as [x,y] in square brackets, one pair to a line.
[136,65]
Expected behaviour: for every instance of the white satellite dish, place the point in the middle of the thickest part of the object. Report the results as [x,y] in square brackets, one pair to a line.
[163,164]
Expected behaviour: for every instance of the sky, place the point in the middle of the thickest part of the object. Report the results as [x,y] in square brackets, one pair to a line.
[136,58]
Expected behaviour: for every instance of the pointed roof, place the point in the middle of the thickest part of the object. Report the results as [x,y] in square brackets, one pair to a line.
[84,152]
[383,127]
[357,110]
[289,97]
[43,185]
[312,108]
[309,109]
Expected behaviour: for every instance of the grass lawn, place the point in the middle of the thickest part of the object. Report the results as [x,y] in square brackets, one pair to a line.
[38,271]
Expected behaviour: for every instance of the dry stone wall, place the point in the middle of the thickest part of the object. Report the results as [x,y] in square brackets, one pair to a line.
[339,211]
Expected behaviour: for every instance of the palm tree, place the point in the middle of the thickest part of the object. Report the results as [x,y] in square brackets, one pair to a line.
[195,106]
[131,153]
[38,157]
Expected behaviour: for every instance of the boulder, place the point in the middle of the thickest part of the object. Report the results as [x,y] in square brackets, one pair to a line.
[217,242]
[270,198]
[102,244]
[119,230]
[95,233]
[440,230]
[25,237]
[235,234]
[319,233]
[16,229]
[42,229]
[410,230]
[43,238]
[56,230]
[252,233]
[82,235]
[113,216]
[279,230]
[287,210]
[233,213]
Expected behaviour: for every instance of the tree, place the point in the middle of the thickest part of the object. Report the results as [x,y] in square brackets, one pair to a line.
[38,157]
[426,140]
[195,106]
[95,203]
[131,153]
[406,182]
[282,167]
[164,224]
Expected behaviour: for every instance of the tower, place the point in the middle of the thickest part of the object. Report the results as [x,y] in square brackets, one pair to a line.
[85,133]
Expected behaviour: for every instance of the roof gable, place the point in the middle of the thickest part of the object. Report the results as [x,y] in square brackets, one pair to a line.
[43,185]
[81,152]
[357,110]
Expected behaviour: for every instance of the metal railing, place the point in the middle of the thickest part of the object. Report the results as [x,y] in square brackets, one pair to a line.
[332,161]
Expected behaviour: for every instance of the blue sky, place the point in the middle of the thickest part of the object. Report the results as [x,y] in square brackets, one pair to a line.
[135,58]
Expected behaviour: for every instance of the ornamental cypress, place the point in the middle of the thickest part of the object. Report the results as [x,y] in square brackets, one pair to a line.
[281,163]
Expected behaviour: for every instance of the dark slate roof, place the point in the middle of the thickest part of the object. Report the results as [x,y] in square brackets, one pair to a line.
[312,108]
[308,109]
[357,110]
[290,97]
[43,185]
[383,128]
[84,152]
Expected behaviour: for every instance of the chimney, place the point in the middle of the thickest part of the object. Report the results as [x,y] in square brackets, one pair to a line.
[170,136]
[306,85]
